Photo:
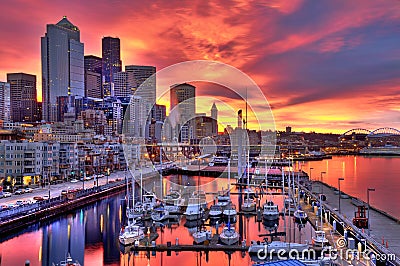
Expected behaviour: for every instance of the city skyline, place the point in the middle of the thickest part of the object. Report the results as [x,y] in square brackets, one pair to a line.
[326,66]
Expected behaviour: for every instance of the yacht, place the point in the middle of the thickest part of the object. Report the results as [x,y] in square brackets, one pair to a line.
[229,236]
[174,198]
[201,235]
[230,213]
[319,239]
[290,205]
[249,205]
[130,234]
[159,213]
[215,212]
[270,211]
[194,210]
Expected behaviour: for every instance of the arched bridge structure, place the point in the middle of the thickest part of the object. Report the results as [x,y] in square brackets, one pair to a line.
[384,132]
[355,134]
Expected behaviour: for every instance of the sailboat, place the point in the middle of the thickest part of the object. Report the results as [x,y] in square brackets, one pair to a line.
[132,232]
[320,239]
[248,205]
[229,236]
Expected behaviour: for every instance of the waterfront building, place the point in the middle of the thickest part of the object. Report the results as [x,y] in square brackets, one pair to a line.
[112,64]
[112,108]
[94,120]
[23,97]
[62,65]
[136,117]
[93,78]
[5,101]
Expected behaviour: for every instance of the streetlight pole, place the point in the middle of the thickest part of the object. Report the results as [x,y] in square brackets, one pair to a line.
[340,193]
[322,186]
[368,190]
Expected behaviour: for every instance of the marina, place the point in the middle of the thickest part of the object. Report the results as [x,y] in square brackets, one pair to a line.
[248,231]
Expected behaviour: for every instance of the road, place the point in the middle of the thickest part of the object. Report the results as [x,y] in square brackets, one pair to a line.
[55,190]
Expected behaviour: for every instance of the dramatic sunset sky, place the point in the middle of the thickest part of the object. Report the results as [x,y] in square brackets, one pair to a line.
[323,65]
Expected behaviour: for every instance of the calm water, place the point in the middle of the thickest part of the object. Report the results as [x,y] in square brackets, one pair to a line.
[360,173]
[90,234]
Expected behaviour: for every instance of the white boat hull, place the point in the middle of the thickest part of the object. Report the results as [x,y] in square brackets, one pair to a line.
[276,246]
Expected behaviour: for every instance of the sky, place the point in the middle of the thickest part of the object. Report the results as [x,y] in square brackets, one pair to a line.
[325,66]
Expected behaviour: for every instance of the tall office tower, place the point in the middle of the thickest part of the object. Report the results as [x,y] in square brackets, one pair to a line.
[23,97]
[214,116]
[111,56]
[124,84]
[183,108]
[62,65]
[144,75]
[159,112]
[5,101]
[93,72]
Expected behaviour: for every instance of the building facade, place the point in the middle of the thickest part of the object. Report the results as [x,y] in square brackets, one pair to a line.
[62,65]
[5,101]
[23,97]
[111,60]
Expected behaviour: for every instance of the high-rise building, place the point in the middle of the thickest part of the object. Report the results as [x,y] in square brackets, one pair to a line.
[214,116]
[145,80]
[124,84]
[93,79]
[93,63]
[183,109]
[62,65]
[23,97]
[5,101]
[111,57]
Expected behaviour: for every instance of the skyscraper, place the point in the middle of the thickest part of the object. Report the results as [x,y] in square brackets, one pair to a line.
[23,97]
[62,65]
[183,109]
[124,84]
[111,56]
[214,116]
[144,76]
[93,78]
[5,101]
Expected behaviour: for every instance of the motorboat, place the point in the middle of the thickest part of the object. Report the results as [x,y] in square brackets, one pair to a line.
[270,211]
[276,247]
[174,198]
[229,213]
[69,262]
[223,198]
[130,234]
[201,196]
[201,235]
[159,213]
[249,205]
[194,210]
[300,216]
[229,236]
[290,205]
[215,212]
[319,239]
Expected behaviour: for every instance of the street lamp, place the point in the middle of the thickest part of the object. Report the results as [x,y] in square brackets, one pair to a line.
[311,168]
[368,190]
[322,187]
[340,179]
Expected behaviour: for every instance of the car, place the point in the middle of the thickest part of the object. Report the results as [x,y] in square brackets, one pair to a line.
[64,192]
[19,203]
[28,201]
[45,197]
[7,194]
[38,198]
[4,207]
[28,190]
[74,181]
[11,205]
[19,192]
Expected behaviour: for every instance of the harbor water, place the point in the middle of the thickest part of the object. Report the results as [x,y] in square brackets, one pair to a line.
[90,234]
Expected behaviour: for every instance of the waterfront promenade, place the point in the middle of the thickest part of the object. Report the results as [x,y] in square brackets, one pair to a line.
[384,229]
